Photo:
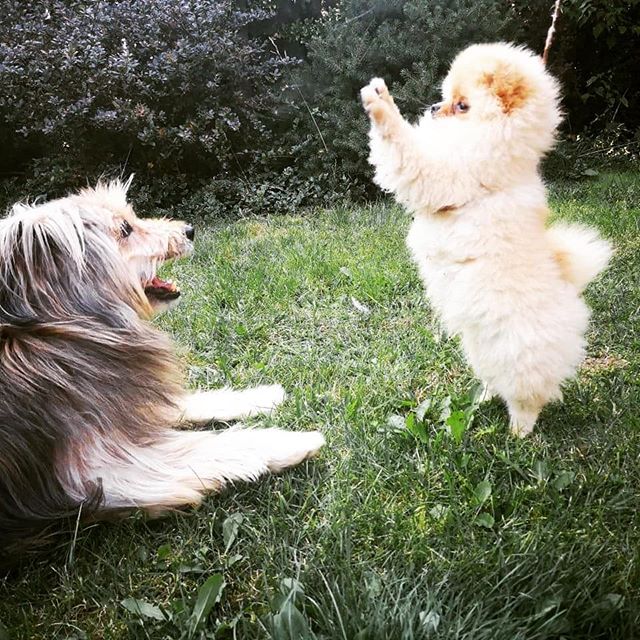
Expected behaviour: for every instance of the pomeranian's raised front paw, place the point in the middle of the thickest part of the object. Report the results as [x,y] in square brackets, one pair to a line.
[376,90]
[377,101]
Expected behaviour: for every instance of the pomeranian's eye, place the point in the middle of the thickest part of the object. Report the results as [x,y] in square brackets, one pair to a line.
[125,229]
[461,107]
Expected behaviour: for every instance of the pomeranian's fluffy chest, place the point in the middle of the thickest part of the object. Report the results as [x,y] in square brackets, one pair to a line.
[486,257]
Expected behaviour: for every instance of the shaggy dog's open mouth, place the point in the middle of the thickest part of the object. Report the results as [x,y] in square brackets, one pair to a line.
[175,240]
[160,290]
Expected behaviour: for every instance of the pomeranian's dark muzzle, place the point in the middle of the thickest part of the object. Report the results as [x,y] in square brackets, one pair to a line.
[434,108]
[189,231]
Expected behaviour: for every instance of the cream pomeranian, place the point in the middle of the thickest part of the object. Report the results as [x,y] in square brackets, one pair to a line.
[502,280]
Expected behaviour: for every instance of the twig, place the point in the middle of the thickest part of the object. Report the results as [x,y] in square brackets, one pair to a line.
[551,32]
[306,104]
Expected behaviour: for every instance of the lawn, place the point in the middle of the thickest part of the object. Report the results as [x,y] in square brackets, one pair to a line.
[422,517]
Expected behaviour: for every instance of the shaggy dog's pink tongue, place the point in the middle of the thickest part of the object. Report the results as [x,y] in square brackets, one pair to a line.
[162,289]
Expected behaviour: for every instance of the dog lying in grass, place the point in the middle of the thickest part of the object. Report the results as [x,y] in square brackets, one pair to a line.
[502,280]
[91,392]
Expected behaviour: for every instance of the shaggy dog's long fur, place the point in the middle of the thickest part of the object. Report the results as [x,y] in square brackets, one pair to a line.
[505,283]
[90,392]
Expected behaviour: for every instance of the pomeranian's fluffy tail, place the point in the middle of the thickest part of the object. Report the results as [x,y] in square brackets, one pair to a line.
[581,253]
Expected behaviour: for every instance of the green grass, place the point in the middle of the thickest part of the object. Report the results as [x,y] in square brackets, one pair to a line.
[448,529]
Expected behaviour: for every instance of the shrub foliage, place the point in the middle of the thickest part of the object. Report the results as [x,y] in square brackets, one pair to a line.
[172,86]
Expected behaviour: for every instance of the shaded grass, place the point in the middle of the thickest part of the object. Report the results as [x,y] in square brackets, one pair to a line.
[382,536]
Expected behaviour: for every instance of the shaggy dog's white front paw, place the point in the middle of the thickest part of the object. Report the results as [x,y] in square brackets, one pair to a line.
[262,399]
[289,448]
[296,447]
[227,404]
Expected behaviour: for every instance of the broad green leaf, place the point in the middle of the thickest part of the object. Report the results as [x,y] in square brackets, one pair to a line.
[485,520]
[208,594]
[422,408]
[438,511]
[540,470]
[164,551]
[563,480]
[396,422]
[457,424]
[143,609]
[416,428]
[482,491]
[230,529]
[445,409]
[290,623]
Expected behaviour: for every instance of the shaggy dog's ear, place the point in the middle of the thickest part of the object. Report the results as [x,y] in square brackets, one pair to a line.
[35,237]
[111,195]
[508,85]
[42,257]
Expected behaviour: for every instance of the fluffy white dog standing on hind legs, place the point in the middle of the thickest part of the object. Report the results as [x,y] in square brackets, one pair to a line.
[499,278]
[90,392]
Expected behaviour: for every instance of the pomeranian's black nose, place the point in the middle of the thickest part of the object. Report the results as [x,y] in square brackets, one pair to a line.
[434,108]
[189,231]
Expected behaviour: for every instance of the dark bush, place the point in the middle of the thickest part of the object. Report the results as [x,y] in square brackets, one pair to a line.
[202,99]
[168,87]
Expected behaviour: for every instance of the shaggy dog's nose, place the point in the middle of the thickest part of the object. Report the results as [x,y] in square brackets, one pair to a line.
[434,108]
[189,231]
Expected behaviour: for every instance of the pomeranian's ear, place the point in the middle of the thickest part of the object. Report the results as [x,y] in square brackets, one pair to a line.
[509,86]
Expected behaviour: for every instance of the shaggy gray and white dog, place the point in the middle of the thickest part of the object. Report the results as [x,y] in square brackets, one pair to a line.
[91,393]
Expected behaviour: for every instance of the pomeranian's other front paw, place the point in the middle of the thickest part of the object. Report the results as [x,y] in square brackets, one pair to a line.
[377,101]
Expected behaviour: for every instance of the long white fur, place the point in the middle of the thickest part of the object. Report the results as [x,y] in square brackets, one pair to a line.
[229,404]
[493,271]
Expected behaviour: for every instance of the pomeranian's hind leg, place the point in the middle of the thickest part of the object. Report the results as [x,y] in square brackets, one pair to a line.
[226,404]
[523,416]
[178,469]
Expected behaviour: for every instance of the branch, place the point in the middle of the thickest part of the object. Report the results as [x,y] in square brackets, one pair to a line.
[551,32]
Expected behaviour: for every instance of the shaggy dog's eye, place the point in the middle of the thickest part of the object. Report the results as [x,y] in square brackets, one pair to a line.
[461,107]
[125,229]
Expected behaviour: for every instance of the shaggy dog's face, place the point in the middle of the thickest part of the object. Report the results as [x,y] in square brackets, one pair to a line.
[144,244]
[87,252]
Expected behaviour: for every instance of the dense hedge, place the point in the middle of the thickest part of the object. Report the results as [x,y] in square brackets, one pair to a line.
[172,87]
[207,93]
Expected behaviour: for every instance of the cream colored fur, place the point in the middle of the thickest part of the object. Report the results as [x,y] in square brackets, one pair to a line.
[498,277]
